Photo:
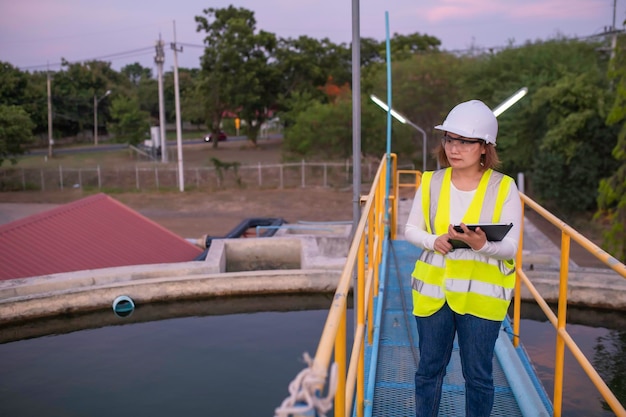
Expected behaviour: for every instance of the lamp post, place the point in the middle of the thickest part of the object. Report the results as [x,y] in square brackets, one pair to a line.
[502,107]
[404,120]
[97,100]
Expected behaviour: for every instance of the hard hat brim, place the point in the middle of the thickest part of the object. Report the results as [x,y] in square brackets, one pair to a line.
[463,133]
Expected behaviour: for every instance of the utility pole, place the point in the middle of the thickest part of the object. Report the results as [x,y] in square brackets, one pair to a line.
[179,134]
[49,88]
[614,30]
[159,59]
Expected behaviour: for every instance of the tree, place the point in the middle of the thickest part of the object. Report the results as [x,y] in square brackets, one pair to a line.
[13,84]
[612,189]
[128,122]
[27,91]
[305,65]
[494,77]
[73,91]
[237,75]
[405,46]
[135,73]
[425,88]
[15,132]
[192,100]
[324,130]
[575,149]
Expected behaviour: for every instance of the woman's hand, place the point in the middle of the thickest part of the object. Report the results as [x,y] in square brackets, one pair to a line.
[442,244]
[476,238]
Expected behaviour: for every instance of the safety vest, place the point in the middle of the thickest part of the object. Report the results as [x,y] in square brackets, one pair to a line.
[471,283]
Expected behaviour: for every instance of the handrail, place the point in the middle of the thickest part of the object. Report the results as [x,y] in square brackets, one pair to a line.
[363,261]
[559,320]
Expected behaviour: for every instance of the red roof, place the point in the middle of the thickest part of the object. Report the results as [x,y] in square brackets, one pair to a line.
[91,233]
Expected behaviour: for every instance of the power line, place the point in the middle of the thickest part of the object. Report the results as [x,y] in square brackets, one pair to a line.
[117,55]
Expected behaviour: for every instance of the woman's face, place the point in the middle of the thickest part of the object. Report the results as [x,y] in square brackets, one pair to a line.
[462,152]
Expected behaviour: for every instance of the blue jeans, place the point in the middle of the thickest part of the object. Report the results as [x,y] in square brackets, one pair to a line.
[477,339]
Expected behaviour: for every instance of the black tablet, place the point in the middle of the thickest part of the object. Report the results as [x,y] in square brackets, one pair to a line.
[495,232]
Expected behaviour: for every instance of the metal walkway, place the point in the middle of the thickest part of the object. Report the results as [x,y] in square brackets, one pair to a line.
[390,362]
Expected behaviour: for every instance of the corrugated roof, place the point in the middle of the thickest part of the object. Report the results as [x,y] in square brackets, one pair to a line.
[91,233]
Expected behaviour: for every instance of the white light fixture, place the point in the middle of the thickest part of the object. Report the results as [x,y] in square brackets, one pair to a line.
[502,107]
[404,120]
[96,100]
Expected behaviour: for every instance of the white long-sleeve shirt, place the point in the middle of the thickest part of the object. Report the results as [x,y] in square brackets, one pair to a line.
[415,229]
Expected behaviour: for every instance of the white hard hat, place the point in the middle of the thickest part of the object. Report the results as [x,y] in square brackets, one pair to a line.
[472,119]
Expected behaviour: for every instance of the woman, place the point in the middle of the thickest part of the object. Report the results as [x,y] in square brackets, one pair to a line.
[462,291]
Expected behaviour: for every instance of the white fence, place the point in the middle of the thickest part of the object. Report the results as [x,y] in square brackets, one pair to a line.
[160,177]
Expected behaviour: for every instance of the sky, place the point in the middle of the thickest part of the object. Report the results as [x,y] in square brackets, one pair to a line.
[37,34]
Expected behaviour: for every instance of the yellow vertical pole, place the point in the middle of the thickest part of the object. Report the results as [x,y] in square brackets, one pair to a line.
[371,228]
[393,198]
[559,362]
[378,209]
[360,386]
[517,300]
[340,360]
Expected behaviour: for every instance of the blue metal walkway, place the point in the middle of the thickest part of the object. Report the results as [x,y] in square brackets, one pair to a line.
[391,360]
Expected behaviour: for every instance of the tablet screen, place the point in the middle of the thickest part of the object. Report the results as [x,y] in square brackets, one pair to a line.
[495,232]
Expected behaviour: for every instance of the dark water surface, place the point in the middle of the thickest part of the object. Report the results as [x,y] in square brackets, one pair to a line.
[232,357]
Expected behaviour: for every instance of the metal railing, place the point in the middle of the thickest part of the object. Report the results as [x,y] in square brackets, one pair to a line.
[559,320]
[155,176]
[362,263]
[377,224]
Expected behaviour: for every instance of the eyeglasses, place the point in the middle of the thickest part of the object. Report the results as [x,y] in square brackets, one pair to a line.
[462,144]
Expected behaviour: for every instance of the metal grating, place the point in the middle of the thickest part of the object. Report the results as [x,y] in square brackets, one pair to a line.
[393,393]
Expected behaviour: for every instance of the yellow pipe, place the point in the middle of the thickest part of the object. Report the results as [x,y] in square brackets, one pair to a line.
[591,247]
[559,362]
[370,243]
[325,346]
[357,345]
[340,360]
[517,300]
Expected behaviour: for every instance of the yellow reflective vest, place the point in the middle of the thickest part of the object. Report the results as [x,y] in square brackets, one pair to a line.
[471,283]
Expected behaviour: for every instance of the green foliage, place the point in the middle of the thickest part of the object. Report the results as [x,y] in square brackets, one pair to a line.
[15,132]
[221,167]
[13,84]
[576,143]
[324,131]
[612,190]
[494,77]
[306,64]
[237,70]
[73,92]
[425,88]
[128,122]
[136,73]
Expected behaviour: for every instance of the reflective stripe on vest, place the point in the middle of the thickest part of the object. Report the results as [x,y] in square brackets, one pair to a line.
[470,282]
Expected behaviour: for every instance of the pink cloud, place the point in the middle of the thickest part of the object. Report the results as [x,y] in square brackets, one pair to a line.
[534,9]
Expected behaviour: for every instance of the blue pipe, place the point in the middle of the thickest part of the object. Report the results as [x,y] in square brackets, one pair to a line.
[371,382]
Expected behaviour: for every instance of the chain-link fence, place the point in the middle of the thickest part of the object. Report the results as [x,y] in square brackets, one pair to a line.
[160,177]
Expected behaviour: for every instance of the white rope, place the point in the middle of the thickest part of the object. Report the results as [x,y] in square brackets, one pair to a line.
[302,392]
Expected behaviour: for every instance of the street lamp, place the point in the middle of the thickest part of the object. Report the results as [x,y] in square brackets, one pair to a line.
[97,100]
[502,107]
[404,120]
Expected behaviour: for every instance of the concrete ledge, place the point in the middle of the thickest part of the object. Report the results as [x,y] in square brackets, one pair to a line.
[589,287]
[73,299]
[280,265]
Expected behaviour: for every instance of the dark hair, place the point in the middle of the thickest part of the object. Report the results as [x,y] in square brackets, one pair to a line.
[488,160]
